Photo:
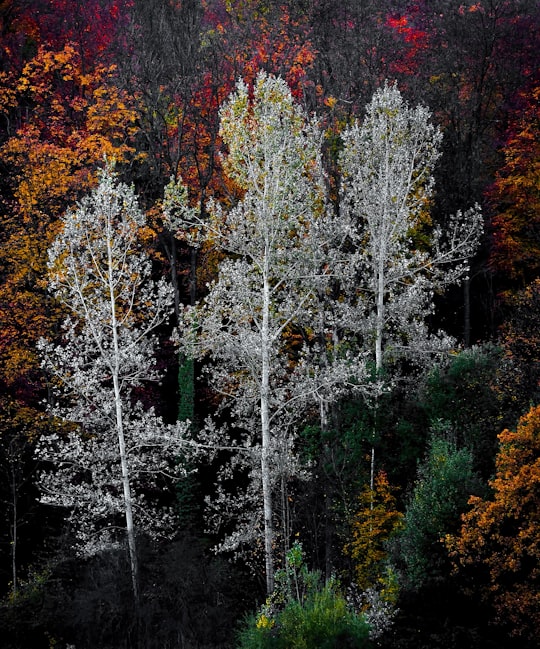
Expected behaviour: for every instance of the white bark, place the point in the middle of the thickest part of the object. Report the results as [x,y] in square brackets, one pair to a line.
[100,273]
[269,282]
[398,259]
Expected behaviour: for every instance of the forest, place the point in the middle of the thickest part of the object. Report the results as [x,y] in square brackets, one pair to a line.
[269,367]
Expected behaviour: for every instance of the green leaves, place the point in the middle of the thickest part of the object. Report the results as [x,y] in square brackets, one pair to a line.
[445,481]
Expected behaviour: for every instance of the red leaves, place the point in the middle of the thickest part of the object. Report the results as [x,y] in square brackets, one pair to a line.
[515,197]
[415,39]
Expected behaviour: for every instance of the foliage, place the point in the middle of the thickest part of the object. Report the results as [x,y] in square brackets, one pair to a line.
[20,427]
[462,391]
[500,534]
[518,377]
[374,523]
[397,262]
[85,602]
[101,274]
[62,119]
[267,281]
[156,111]
[515,196]
[445,481]
[304,612]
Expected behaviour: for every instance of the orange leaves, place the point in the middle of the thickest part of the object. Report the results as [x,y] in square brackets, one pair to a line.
[65,106]
[515,197]
[64,122]
[71,121]
[503,534]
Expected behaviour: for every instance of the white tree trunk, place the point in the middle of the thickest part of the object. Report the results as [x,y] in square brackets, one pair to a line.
[130,528]
[266,441]
[14,531]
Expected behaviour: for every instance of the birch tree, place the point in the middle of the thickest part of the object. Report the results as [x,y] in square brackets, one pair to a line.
[398,259]
[268,275]
[119,451]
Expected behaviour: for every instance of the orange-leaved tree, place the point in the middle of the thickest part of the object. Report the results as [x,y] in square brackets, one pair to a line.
[62,122]
[500,536]
[515,197]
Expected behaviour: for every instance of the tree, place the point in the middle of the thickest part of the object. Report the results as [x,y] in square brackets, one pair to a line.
[61,121]
[102,276]
[305,611]
[396,260]
[376,520]
[461,391]
[518,377]
[500,536]
[515,196]
[20,427]
[476,57]
[267,280]
[445,481]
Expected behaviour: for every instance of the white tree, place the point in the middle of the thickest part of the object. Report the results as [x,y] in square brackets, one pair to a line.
[101,275]
[267,280]
[397,259]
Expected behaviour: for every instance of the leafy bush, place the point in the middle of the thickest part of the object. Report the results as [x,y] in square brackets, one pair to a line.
[304,613]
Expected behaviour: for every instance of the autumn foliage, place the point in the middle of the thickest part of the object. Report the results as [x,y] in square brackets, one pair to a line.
[63,122]
[141,83]
[516,197]
[375,522]
[500,534]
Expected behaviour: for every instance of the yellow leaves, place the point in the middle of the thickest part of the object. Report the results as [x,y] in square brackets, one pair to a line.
[64,122]
[264,622]
[330,102]
[8,94]
[69,129]
[376,520]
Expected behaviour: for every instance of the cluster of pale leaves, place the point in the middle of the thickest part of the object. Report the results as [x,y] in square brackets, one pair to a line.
[101,274]
[324,272]
[82,474]
[277,238]
[398,259]
[378,612]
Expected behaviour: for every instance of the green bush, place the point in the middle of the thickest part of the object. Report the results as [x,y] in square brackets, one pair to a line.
[446,479]
[310,615]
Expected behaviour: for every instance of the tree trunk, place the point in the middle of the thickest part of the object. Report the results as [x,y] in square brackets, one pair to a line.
[378,360]
[14,530]
[130,529]
[467,312]
[266,441]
